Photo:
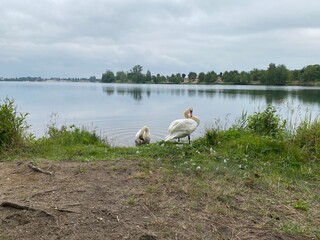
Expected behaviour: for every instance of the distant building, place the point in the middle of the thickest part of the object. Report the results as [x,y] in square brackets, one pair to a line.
[186,80]
[219,80]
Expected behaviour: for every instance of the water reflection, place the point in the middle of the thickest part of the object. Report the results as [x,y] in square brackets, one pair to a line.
[136,93]
[117,111]
[270,95]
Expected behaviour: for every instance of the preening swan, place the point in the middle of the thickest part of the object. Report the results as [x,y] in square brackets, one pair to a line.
[183,127]
[143,136]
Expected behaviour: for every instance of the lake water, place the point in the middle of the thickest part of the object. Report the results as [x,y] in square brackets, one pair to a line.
[118,111]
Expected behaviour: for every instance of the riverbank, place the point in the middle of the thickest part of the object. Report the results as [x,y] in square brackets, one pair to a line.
[160,191]
[251,181]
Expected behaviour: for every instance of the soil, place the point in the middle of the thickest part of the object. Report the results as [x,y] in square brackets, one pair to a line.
[106,200]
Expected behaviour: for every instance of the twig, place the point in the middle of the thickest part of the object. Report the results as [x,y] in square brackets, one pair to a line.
[40,193]
[30,165]
[24,207]
[152,214]
[65,210]
[169,200]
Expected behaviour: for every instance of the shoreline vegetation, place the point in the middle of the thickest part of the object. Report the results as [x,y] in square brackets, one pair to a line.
[274,75]
[255,177]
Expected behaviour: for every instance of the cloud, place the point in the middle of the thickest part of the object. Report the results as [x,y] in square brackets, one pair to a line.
[70,38]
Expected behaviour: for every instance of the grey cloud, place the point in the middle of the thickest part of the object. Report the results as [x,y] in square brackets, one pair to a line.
[84,38]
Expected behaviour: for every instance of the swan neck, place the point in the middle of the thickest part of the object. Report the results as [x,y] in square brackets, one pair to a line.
[195,118]
[186,113]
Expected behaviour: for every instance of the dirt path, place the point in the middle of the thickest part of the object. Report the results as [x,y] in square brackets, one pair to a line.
[103,200]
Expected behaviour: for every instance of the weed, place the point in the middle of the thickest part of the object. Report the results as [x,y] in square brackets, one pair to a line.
[131,201]
[299,204]
[291,228]
[211,137]
[82,168]
[151,188]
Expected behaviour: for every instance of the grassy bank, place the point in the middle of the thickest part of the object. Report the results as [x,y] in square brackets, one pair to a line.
[253,175]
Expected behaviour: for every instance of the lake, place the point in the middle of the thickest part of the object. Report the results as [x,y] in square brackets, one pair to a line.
[118,111]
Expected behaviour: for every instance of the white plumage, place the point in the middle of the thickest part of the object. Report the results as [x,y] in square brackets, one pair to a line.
[181,128]
[142,136]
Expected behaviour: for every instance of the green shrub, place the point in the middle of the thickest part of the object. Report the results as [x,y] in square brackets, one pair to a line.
[308,138]
[266,123]
[13,125]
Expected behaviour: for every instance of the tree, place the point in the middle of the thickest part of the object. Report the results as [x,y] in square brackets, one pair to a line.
[210,77]
[201,77]
[192,75]
[244,78]
[92,79]
[270,75]
[296,75]
[148,77]
[282,75]
[257,75]
[136,75]
[231,77]
[108,77]
[157,79]
[179,77]
[311,73]
[121,76]
[276,75]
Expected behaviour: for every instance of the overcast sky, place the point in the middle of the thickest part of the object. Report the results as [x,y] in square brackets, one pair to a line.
[83,38]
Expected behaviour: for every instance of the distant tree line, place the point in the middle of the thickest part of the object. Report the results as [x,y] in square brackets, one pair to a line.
[275,75]
[40,79]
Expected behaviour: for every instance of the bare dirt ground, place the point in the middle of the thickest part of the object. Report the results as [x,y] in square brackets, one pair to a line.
[106,200]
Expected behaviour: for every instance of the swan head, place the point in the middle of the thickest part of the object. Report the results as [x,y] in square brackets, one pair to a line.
[188,112]
[146,129]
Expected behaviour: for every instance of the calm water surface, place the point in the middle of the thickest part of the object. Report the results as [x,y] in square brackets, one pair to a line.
[118,111]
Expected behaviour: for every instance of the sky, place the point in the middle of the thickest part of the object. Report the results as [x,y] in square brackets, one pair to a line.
[84,38]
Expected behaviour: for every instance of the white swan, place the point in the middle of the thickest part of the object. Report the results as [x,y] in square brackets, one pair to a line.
[183,127]
[143,136]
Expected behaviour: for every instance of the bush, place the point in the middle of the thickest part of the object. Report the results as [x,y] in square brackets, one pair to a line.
[266,123]
[13,125]
[308,138]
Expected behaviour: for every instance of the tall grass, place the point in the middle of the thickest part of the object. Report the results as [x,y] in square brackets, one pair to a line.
[13,125]
[307,138]
[70,142]
[71,135]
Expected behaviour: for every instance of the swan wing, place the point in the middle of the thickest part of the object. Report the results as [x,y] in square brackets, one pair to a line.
[183,125]
[181,128]
[138,134]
